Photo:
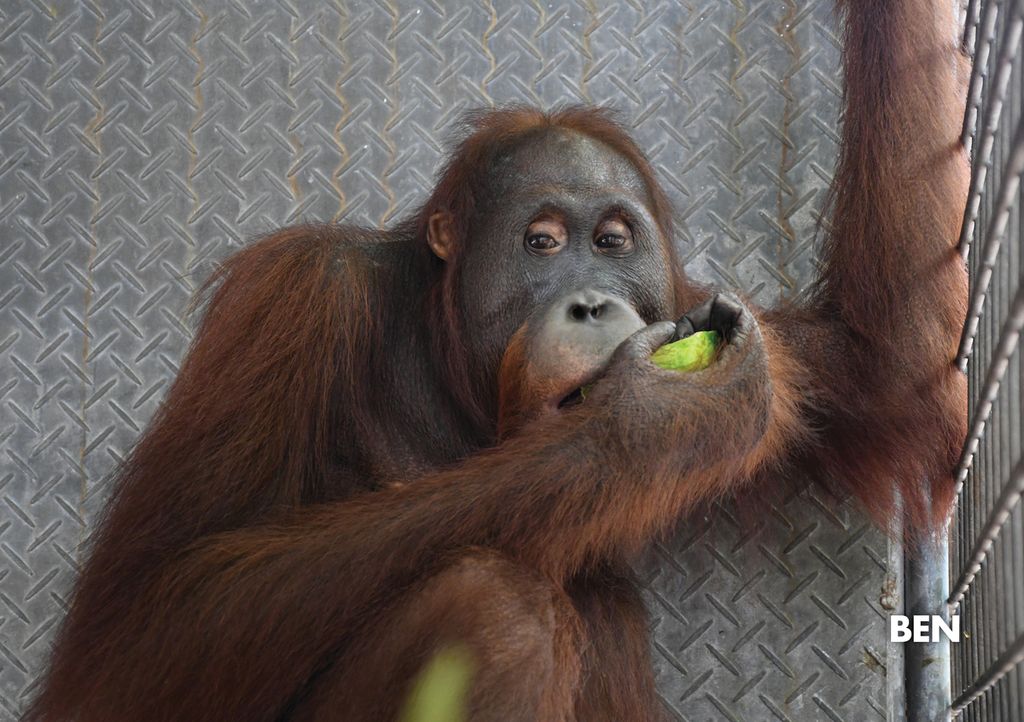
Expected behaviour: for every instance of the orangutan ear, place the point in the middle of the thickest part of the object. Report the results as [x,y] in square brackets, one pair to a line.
[441,234]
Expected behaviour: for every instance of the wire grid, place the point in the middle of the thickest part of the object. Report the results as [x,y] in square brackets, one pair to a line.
[987,535]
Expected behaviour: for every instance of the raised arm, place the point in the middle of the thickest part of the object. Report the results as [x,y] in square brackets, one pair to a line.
[878,340]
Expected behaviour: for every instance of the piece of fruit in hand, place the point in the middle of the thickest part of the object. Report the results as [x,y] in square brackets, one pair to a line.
[693,353]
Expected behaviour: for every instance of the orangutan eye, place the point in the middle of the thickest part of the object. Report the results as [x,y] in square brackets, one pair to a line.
[541,242]
[545,237]
[610,240]
[614,238]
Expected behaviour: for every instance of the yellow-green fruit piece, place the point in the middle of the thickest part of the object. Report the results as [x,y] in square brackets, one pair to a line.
[441,690]
[693,353]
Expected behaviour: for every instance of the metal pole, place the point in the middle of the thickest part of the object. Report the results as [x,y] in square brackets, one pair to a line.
[926,669]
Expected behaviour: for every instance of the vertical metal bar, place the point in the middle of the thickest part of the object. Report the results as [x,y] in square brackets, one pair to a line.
[984,46]
[993,112]
[972,16]
[1009,337]
[993,239]
[927,663]
[1007,500]
[895,652]
[1010,658]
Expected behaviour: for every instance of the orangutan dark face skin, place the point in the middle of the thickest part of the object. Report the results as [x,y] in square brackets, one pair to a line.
[566,215]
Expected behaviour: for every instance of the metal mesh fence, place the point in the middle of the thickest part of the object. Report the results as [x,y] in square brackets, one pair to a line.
[987,536]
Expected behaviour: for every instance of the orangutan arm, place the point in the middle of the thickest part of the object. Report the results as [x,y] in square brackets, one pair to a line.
[875,347]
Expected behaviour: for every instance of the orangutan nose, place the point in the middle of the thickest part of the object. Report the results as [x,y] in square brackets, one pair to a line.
[593,306]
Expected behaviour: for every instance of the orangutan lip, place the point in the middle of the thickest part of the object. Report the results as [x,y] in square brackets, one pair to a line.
[576,397]
[580,388]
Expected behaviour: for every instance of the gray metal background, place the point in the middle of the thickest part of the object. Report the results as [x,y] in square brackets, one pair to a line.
[141,142]
[987,675]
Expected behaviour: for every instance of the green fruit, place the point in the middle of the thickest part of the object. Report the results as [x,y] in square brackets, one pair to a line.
[441,689]
[693,353]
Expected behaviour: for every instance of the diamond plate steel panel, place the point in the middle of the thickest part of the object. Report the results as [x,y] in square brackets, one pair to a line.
[140,142]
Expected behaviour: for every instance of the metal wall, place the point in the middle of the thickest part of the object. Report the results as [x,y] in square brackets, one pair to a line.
[987,539]
[140,142]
